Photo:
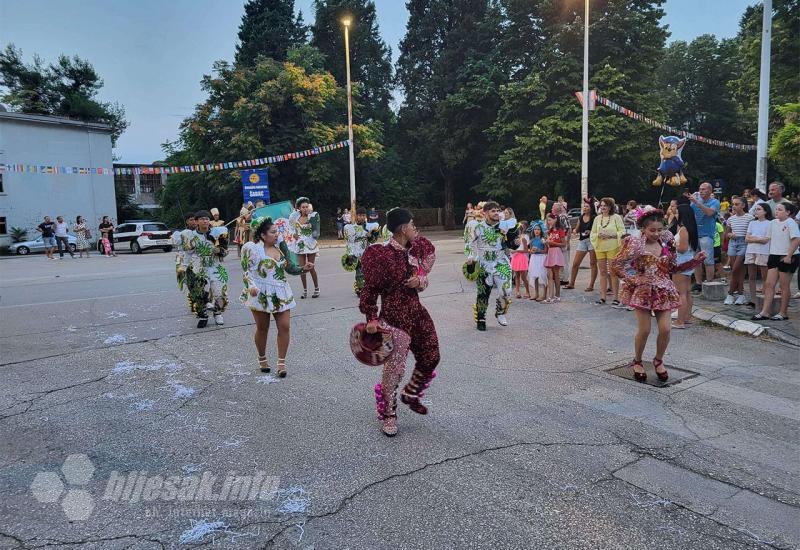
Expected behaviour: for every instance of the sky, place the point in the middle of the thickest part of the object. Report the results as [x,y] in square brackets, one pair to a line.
[152,54]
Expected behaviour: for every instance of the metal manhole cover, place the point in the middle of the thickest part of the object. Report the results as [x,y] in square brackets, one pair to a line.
[676,375]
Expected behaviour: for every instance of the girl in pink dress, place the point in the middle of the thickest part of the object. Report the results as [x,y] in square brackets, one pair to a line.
[519,262]
[645,264]
[556,241]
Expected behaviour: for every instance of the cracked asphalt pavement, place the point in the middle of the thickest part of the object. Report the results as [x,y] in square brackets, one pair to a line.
[123,426]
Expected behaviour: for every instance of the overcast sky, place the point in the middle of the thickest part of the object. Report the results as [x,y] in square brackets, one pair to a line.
[152,53]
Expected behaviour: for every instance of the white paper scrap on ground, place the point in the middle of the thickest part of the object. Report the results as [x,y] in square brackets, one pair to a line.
[201,529]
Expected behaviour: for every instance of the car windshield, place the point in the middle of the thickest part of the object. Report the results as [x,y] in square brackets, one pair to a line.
[154,227]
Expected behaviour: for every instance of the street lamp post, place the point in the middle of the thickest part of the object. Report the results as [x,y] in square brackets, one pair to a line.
[585,119]
[346,22]
[763,98]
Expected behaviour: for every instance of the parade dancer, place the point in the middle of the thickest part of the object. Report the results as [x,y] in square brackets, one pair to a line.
[359,236]
[265,263]
[208,279]
[487,256]
[304,223]
[651,259]
[397,272]
[181,263]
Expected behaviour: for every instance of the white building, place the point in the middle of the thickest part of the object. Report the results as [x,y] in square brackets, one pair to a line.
[142,187]
[26,197]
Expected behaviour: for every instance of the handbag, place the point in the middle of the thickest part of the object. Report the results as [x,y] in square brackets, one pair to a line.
[87,234]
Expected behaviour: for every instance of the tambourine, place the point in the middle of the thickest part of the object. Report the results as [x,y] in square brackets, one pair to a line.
[471,271]
[349,262]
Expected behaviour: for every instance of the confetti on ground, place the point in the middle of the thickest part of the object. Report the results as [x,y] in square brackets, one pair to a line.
[115,339]
[294,500]
[72,328]
[181,391]
[268,379]
[124,367]
[192,468]
[116,315]
[144,405]
[651,503]
[200,529]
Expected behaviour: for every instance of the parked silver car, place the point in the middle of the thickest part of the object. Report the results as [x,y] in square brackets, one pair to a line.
[37,245]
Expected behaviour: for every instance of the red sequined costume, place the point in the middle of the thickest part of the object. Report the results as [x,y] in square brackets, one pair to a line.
[386,269]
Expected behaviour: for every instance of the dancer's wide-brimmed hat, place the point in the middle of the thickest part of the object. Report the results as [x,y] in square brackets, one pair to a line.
[370,349]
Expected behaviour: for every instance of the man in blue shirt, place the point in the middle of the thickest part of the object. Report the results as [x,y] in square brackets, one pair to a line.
[706,210]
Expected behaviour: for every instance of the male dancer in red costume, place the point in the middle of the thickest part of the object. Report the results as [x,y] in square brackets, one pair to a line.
[398,272]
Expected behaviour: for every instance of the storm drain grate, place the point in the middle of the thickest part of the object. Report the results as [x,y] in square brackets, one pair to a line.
[676,375]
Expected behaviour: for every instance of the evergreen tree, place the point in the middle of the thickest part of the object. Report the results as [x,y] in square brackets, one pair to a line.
[67,88]
[450,72]
[269,28]
[370,57]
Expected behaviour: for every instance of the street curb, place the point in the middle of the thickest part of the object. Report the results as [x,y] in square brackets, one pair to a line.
[750,328]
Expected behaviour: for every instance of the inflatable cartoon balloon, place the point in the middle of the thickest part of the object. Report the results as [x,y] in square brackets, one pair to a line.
[670,171]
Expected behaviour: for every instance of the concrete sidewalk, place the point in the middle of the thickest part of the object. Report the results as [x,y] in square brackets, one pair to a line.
[739,318]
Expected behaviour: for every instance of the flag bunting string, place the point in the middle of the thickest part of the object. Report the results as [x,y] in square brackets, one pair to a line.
[190,168]
[671,129]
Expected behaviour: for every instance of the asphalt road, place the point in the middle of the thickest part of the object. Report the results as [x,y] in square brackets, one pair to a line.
[124,426]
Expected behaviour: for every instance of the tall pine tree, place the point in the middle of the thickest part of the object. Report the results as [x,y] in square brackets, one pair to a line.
[268,28]
[450,73]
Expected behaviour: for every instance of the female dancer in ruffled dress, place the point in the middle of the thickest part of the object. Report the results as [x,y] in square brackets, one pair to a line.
[265,263]
[304,223]
[397,272]
[652,259]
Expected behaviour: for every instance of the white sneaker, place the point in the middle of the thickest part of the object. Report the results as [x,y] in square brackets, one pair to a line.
[674,314]
[728,300]
[218,319]
[740,300]
[502,321]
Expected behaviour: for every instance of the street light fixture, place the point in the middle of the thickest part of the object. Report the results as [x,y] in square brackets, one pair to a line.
[585,119]
[347,21]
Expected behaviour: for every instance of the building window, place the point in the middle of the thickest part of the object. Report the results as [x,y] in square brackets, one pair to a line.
[127,182]
[150,183]
[3,228]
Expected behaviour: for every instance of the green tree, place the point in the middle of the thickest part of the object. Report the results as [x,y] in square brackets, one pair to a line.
[784,147]
[536,136]
[370,57]
[67,88]
[269,28]
[449,71]
[254,111]
[694,79]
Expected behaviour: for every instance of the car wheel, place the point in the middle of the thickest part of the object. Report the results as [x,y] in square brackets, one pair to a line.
[167,249]
[23,250]
[135,248]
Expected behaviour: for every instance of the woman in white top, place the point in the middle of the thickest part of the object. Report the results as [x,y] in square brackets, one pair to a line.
[304,224]
[784,259]
[736,226]
[757,252]
[265,264]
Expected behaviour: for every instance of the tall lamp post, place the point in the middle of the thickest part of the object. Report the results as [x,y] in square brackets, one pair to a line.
[346,22]
[763,98]
[585,119]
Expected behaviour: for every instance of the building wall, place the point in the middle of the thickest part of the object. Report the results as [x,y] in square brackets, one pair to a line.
[28,197]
